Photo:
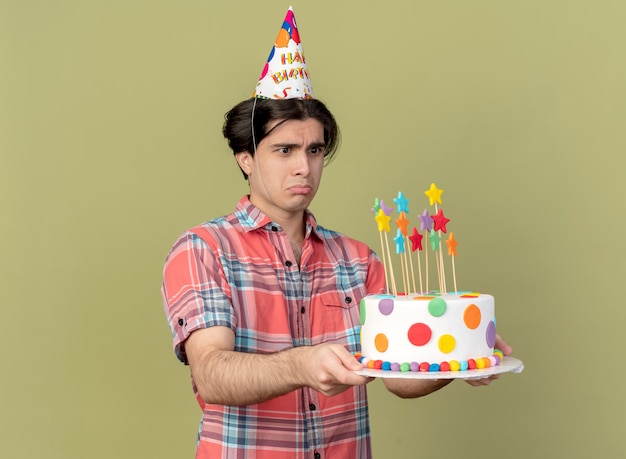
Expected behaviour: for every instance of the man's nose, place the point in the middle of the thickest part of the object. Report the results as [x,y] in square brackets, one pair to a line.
[301,166]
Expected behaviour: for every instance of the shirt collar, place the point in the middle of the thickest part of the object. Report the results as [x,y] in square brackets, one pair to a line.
[251,217]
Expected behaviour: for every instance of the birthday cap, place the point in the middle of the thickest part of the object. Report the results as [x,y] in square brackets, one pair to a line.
[285,75]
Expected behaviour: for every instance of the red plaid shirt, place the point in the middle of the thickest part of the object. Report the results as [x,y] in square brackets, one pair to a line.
[239,271]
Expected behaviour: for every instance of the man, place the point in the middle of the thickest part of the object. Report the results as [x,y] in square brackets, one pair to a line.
[263,303]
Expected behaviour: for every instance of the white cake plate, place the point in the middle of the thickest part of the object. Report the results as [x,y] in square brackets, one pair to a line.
[508,365]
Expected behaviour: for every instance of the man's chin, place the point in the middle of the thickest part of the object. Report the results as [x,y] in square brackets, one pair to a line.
[300,202]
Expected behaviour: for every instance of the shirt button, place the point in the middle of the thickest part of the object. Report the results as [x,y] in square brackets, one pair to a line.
[302,309]
[317,455]
[288,263]
[348,300]
[180,321]
[311,406]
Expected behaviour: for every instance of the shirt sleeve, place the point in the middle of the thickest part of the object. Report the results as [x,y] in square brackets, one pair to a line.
[375,275]
[194,290]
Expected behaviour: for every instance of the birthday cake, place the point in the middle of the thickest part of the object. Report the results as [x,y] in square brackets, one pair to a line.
[428,332]
[438,330]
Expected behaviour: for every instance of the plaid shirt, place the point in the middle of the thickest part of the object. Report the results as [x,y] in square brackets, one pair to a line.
[238,271]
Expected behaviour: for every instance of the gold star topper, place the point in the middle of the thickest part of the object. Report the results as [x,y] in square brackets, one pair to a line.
[434,194]
[383,221]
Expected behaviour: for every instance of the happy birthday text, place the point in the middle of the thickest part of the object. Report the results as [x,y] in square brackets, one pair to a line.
[293,73]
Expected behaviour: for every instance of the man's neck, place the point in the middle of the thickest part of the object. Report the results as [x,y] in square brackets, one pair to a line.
[294,227]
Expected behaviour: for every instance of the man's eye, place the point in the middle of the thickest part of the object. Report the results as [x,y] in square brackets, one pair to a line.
[284,150]
[316,150]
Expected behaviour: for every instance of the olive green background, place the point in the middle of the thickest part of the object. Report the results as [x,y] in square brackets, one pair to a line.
[110,146]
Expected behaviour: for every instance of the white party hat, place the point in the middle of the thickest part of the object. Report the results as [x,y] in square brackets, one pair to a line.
[285,75]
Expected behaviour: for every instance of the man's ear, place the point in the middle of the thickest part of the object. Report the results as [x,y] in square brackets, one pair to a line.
[245,159]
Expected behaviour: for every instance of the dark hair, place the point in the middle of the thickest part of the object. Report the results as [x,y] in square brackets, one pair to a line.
[238,122]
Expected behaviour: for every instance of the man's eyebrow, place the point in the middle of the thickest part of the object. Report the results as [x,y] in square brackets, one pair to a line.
[285,145]
[292,145]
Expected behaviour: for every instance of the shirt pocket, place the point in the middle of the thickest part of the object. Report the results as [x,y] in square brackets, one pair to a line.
[340,319]
[338,300]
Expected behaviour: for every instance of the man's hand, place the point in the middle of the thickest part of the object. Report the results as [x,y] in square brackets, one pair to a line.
[506,350]
[329,369]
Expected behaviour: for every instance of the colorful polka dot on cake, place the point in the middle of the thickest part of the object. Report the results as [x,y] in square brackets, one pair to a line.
[472,316]
[447,343]
[419,334]
[381,342]
[437,307]
[491,334]
[385,306]
[362,311]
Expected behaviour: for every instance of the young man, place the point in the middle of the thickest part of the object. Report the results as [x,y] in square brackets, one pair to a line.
[263,303]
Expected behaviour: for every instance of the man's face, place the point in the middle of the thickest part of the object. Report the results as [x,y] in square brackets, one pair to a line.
[286,170]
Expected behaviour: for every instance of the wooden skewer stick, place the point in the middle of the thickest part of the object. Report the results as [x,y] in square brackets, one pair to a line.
[419,270]
[404,274]
[443,268]
[439,272]
[393,277]
[382,247]
[406,244]
[454,275]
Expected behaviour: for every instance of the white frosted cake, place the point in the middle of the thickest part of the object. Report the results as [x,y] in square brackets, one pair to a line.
[428,332]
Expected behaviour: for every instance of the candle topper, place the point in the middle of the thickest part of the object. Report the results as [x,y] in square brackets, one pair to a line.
[427,239]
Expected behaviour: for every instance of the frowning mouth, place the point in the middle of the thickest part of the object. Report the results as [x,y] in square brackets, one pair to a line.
[300,189]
